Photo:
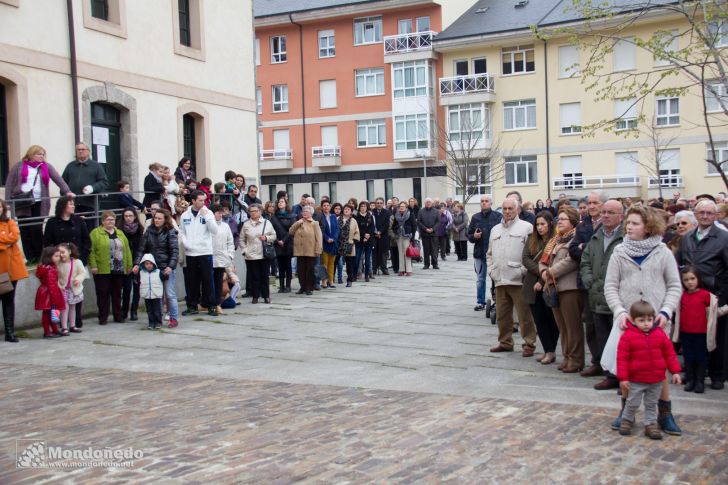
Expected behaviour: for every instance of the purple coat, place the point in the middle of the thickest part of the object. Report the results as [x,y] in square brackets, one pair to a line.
[14,182]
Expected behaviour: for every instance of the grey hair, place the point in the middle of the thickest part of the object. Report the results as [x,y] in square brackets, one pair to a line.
[84,144]
[486,197]
[512,199]
[689,214]
[310,200]
[256,206]
[706,202]
[428,198]
[307,208]
[601,194]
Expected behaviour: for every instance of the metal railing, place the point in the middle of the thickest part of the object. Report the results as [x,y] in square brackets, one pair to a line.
[595,181]
[665,181]
[326,151]
[473,83]
[416,41]
[276,154]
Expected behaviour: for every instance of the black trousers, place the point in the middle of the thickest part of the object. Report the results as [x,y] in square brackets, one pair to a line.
[154,311]
[717,359]
[394,257]
[380,254]
[109,286]
[130,295]
[32,235]
[285,273]
[461,250]
[429,249]
[258,270]
[305,272]
[8,302]
[447,244]
[350,270]
[695,348]
[217,274]
[199,273]
[443,242]
[602,328]
[543,317]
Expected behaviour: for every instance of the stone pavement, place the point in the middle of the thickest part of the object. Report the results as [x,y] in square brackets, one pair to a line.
[388,382]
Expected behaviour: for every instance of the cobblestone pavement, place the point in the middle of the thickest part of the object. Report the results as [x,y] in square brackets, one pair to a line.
[386,382]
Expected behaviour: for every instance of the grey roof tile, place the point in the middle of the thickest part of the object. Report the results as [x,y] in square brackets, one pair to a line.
[267,8]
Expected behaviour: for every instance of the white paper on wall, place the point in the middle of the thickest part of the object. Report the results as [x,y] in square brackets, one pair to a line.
[100,135]
[101,153]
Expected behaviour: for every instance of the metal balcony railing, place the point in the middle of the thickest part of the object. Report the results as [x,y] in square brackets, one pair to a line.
[276,154]
[665,181]
[416,41]
[326,151]
[595,182]
[473,83]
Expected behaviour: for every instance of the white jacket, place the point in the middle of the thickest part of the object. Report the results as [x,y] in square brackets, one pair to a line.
[252,230]
[505,252]
[150,282]
[196,232]
[223,246]
[172,189]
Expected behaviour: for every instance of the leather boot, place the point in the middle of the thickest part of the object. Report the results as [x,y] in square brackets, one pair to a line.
[699,379]
[689,378]
[9,317]
[133,316]
[665,418]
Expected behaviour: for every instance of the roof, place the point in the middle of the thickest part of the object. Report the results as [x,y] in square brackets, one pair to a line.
[268,8]
[487,17]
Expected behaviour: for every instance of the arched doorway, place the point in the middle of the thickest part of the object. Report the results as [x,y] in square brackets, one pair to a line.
[4,150]
[106,135]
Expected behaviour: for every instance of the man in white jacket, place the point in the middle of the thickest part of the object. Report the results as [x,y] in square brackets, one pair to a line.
[504,261]
[197,227]
[223,247]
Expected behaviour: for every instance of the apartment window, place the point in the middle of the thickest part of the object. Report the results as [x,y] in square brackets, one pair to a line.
[713,101]
[370,190]
[333,196]
[108,16]
[404,26]
[327,43]
[571,172]
[721,155]
[670,45]
[411,132]
[371,133]
[100,9]
[370,82]
[626,111]
[289,192]
[518,59]
[626,165]
[327,94]
[417,189]
[185,36]
[388,189]
[330,136]
[367,30]
[280,98]
[278,49]
[259,100]
[568,61]
[521,170]
[519,115]
[315,193]
[423,24]
[272,192]
[477,179]
[719,33]
[570,116]
[257,52]
[668,112]
[623,55]
[461,67]
[480,66]
[189,140]
[468,124]
[669,167]
[412,79]
[189,38]
[281,140]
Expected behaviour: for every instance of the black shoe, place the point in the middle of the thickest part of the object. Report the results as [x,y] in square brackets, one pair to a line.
[212,311]
[340,281]
[288,289]
[150,327]
[190,311]
[300,292]
[266,300]
[52,335]
[133,317]
[255,301]
[385,272]
[717,384]
[246,295]
[79,324]
[425,267]
[309,293]
[348,284]
[435,267]
[479,307]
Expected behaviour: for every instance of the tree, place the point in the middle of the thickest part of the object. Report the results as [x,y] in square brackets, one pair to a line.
[690,60]
[656,158]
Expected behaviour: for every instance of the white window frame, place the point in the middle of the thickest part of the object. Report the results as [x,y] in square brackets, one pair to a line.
[722,151]
[361,25]
[567,54]
[527,162]
[374,133]
[567,128]
[671,117]
[421,75]
[710,99]
[278,55]
[478,174]
[322,89]
[720,30]
[672,47]
[326,43]
[626,111]
[572,172]
[624,49]
[476,135]
[257,51]
[671,156]
[417,24]
[282,103]
[422,135]
[631,157]
[512,53]
[510,110]
[259,100]
[365,75]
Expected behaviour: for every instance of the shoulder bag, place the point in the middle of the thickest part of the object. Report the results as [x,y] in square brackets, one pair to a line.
[269,251]
[551,294]
[6,286]
[25,199]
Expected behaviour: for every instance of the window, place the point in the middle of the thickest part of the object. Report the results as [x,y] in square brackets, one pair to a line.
[4,151]
[189,143]
[719,33]
[669,167]
[626,111]
[713,101]
[315,191]
[367,30]
[480,66]
[370,82]
[668,112]
[100,9]
[623,55]
[521,170]
[257,52]
[412,79]
[461,67]
[333,196]
[259,100]
[417,189]
[278,49]
[327,45]
[477,179]
[568,61]
[404,26]
[370,190]
[412,132]
[189,35]
[329,136]
[570,115]
[519,115]
[371,133]
[280,98]
[518,60]
[721,155]
[671,45]
[107,16]
[281,140]
[327,94]
[185,34]
[626,167]
[289,191]
[571,172]
[388,189]
[272,192]
[423,24]
[468,123]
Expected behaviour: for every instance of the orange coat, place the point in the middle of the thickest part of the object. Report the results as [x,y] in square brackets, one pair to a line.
[11,258]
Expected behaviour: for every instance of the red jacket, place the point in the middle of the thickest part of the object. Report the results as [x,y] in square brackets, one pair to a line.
[49,293]
[644,357]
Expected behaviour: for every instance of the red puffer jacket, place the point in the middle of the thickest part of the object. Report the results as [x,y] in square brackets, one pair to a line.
[644,357]
[49,293]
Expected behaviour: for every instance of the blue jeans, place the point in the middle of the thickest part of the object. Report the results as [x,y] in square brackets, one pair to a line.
[481,270]
[340,266]
[170,289]
[367,250]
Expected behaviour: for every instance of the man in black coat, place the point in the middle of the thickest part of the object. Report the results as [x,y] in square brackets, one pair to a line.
[479,234]
[382,217]
[85,176]
[428,220]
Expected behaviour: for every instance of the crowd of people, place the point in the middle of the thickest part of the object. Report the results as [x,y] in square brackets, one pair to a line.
[598,274]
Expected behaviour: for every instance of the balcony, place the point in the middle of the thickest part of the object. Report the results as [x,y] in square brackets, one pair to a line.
[326,156]
[618,185]
[276,159]
[666,181]
[474,88]
[409,47]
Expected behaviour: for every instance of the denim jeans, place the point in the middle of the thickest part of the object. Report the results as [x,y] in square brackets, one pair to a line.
[367,250]
[340,266]
[481,270]
[170,289]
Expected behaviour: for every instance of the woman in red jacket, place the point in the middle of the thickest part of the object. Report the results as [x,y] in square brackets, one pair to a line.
[49,296]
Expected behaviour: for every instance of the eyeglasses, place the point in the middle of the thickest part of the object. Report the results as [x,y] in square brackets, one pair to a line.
[705,213]
[609,213]
[683,223]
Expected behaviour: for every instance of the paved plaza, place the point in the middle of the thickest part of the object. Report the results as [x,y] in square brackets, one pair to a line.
[386,382]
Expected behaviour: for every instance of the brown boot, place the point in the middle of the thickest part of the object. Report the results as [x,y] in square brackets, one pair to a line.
[592,371]
[625,427]
[652,431]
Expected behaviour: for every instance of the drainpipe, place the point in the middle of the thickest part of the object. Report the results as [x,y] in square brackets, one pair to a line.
[303,93]
[548,137]
[74,71]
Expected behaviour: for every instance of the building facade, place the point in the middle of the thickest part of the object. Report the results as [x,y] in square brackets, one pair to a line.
[155,81]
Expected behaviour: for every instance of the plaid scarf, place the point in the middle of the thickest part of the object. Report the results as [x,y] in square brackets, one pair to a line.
[557,239]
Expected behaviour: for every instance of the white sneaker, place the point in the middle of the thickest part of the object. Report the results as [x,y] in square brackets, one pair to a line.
[166,317]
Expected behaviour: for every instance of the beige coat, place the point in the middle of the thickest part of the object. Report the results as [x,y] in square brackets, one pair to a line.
[562,268]
[307,238]
[79,274]
[505,252]
[353,236]
[251,245]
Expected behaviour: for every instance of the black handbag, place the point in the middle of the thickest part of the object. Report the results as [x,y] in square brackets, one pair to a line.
[269,251]
[551,296]
[25,199]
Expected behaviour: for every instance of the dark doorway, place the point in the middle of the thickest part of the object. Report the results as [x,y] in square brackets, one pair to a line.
[417,190]
[188,139]
[4,156]
[106,141]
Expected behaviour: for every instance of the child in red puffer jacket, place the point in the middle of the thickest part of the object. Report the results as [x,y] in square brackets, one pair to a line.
[49,296]
[643,355]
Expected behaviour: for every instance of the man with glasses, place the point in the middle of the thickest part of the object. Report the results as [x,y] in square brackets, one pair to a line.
[706,249]
[85,175]
[479,234]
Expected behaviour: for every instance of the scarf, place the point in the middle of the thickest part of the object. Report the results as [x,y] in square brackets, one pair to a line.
[551,245]
[345,226]
[638,249]
[131,228]
[401,219]
[43,171]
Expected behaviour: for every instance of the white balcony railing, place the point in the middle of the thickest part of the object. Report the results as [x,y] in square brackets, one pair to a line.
[595,182]
[328,151]
[276,154]
[474,83]
[416,41]
[666,181]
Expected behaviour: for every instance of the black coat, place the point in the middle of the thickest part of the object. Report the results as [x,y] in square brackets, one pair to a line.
[134,238]
[74,231]
[485,221]
[381,223]
[428,219]
[366,226]
[281,224]
[410,226]
[710,259]
[584,233]
[160,243]
[153,190]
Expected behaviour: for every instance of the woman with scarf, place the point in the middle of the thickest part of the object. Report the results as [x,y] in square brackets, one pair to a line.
[365,223]
[184,172]
[30,179]
[559,271]
[330,234]
[403,228]
[153,184]
[282,221]
[348,237]
[134,231]
[642,268]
